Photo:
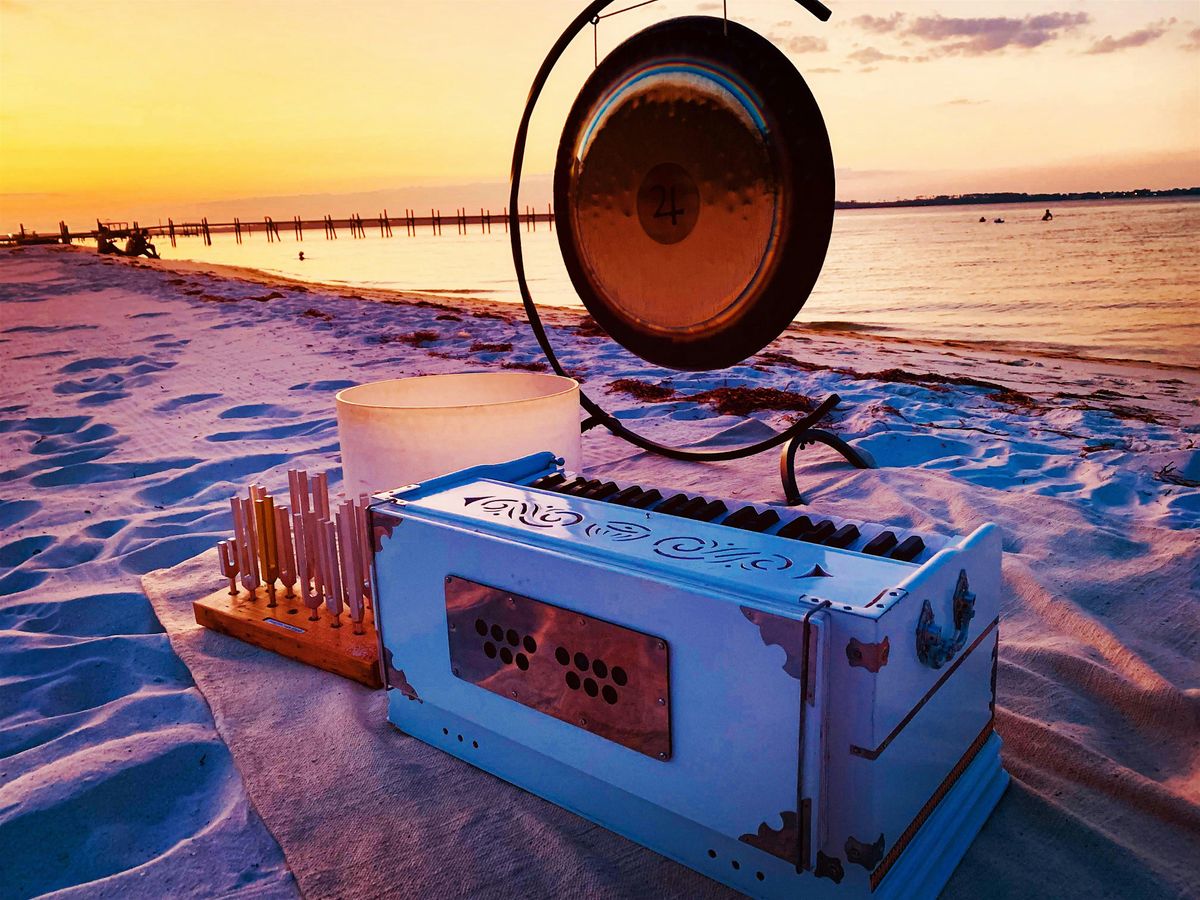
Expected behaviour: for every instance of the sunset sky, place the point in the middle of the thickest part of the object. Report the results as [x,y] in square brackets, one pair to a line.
[149,109]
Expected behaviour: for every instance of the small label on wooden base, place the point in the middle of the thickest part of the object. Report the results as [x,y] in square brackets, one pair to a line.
[285,629]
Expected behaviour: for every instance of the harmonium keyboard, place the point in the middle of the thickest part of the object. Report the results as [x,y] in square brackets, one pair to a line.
[791,703]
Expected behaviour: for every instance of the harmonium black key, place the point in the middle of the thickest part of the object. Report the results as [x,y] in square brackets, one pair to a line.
[821,532]
[910,548]
[601,491]
[797,528]
[673,504]
[550,482]
[704,511]
[579,486]
[626,496]
[880,544]
[750,519]
[843,537]
[646,500]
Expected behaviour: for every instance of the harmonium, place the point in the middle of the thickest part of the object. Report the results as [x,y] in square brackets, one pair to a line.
[793,704]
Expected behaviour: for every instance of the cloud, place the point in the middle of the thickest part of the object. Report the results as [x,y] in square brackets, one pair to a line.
[803,43]
[823,70]
[1139,38]
[868,55]
[1193,41]
[975,37]
[964,101]
[877,25]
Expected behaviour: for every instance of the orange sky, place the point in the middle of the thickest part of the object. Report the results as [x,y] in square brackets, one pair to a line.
[146,109]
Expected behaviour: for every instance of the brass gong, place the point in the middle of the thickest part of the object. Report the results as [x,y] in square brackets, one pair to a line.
[694,183]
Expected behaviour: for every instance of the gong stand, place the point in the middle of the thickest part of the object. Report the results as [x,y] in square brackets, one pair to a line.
[797,435]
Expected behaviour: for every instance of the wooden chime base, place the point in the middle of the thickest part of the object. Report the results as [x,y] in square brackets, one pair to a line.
[285,629]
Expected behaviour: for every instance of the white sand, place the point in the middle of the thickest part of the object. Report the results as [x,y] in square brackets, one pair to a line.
[138,397]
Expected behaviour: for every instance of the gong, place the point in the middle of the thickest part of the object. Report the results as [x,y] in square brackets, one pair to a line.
[694,186]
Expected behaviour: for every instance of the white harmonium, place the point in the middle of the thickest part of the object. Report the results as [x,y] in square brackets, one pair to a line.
[794,704]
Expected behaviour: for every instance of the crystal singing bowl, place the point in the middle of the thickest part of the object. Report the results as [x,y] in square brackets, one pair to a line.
[677,170]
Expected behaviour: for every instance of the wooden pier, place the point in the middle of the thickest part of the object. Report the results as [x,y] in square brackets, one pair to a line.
[411,224]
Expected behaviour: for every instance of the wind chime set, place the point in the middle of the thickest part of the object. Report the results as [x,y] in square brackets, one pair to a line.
[792,704]
[302,568]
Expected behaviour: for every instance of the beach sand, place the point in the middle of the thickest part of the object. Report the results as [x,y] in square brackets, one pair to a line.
[139,395]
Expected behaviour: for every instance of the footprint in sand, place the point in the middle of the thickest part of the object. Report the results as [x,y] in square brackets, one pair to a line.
[95,473]
[73,677]
[46,355]
[105,529]
[45,329]
[45,424]
[21,580]
[275,432]
[94,616]
[169,551]
[22,550]
[13,512]
[72,448]
[186,400]
[210,480]
[323,385]
[63,442]
[259,411]
[112,383]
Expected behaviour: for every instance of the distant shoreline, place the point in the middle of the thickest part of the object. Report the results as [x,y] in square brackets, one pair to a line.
[986,199]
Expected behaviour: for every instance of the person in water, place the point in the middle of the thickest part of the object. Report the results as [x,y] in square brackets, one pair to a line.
[301,256]
[1047,217]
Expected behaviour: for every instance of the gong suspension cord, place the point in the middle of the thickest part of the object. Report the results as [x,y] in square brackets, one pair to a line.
[818,9]
[596,27]
[591,14]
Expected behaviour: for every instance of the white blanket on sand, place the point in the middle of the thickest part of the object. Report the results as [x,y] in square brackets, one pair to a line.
[1095,644]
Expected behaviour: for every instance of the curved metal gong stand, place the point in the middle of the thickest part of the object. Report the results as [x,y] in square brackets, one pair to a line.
[795,436]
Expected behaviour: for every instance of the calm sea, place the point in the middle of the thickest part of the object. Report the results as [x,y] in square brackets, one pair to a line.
[1119,279]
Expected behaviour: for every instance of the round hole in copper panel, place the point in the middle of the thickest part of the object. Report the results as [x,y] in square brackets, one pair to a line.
[600,667]
[712,854]
[460,738]
[619,676]
[481,627]
[445,731]
[609,693]
[573,681]
[506,656]
[490,649]
[581,662]
[512,637]
[497,633]
[529,644]
[590,687]
[563,656]
[736,864]
[522,662]
[760,876]
[475,744]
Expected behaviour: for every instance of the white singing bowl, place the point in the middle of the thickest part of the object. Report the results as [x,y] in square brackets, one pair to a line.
[408,430]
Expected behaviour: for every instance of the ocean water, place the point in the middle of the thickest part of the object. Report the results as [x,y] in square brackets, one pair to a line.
[1115,279]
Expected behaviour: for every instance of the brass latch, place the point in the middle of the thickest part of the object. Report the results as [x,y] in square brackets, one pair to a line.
[933,649]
